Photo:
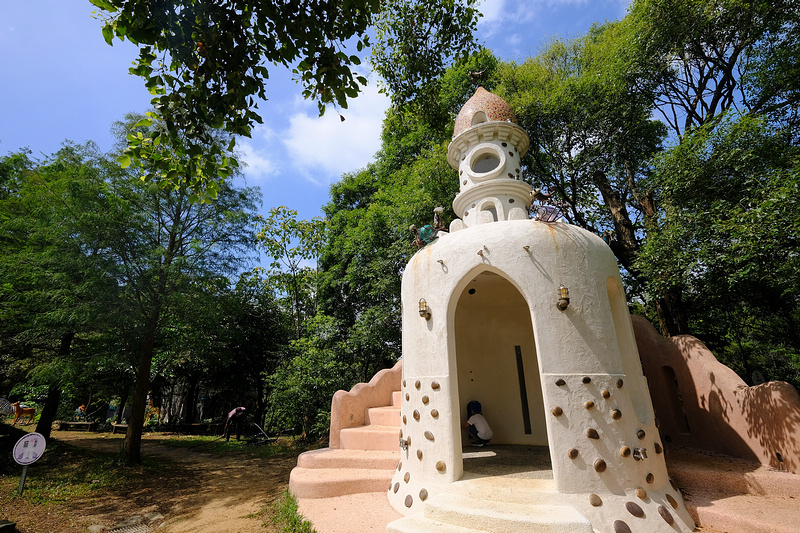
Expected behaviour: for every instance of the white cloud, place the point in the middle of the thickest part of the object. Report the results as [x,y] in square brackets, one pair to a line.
[492,11]
[259,163]
[323,148]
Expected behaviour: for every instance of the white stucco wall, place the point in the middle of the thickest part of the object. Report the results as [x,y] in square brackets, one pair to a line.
[588,367]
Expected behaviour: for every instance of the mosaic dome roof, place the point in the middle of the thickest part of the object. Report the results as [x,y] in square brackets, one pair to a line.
[494,107]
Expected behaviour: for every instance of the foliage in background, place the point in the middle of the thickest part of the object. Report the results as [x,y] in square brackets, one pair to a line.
[730,234]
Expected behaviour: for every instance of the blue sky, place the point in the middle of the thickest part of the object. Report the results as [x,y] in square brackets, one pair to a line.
[61,81]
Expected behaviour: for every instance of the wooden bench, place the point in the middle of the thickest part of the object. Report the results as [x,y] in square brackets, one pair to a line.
[77,426]
[123,428]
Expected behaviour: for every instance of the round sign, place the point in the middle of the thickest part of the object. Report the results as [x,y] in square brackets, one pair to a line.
[29,448]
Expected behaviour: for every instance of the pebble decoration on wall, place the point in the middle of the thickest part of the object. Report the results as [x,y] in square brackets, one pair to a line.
[600,466]
[666,515]
[418,395]
[672,501]
[634,509]
[621,527]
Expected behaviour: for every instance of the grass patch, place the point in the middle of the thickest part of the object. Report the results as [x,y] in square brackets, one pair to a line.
[285,516]
[65,473]
[214,444]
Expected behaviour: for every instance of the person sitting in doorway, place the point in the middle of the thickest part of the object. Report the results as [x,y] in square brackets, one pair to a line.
[476,425]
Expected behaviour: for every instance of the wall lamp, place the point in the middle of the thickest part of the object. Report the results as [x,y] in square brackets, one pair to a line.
[563,298]
[424,310]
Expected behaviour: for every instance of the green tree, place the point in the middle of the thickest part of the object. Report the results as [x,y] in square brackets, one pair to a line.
[164,244]
[293,247]
[417,41]
[56,297]
[712,56]
[730,235]
[587,108]
[206,65]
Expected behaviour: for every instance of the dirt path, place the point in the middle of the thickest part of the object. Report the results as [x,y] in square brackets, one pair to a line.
[195,492]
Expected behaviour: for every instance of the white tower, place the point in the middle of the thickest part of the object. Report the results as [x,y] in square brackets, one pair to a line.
[487,148]
[484,318]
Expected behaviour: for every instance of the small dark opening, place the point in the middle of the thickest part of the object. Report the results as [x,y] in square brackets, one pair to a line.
[471,291]
[779,456]
[523,392]
[676,401]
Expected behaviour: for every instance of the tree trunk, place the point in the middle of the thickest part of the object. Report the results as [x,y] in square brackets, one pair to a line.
[123,399]
[48,414]
[191,400]
[49,410]
[671,318]
[626,247]
[132,447]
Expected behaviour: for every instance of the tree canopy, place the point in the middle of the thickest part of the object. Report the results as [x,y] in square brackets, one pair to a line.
[207,65]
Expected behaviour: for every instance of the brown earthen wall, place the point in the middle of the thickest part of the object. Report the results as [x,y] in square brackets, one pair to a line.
[701,403]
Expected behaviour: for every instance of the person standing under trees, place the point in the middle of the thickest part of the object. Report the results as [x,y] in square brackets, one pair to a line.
[235,419]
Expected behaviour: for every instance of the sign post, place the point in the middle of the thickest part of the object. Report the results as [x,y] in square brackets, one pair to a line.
[28,450]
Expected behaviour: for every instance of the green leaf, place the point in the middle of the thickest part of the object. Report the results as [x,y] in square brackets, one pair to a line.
[105,5]
[108,35]
[124,161]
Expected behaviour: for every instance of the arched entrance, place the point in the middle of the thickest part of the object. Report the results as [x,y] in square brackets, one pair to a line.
[496,361]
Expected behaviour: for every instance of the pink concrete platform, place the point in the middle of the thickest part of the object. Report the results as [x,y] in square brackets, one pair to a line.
[723,494]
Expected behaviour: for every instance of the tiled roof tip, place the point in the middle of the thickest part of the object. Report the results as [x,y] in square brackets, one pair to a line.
[494,107]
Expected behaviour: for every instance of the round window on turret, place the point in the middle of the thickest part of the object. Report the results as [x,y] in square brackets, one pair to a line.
[486,162]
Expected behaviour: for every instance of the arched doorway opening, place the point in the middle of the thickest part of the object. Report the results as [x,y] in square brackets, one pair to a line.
[497,365]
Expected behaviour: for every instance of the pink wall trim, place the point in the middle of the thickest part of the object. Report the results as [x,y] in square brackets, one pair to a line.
[701,403]
[348,409]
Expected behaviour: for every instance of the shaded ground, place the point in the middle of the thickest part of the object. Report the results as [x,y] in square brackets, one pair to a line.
[511,460]
[194,490]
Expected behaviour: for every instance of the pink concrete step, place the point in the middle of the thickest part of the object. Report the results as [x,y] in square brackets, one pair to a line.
[397,398]
[729,494]
[744,512]
[360,459]
[330,482]
[383,416]
[370,437]
[706,471]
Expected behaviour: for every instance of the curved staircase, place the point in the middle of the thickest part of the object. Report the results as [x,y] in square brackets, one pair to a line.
[364,442]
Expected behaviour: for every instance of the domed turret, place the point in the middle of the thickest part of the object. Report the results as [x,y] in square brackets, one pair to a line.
[483,107]
[487,149]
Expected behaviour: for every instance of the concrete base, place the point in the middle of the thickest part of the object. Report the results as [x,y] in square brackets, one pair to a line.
[496,504]
[722,494]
